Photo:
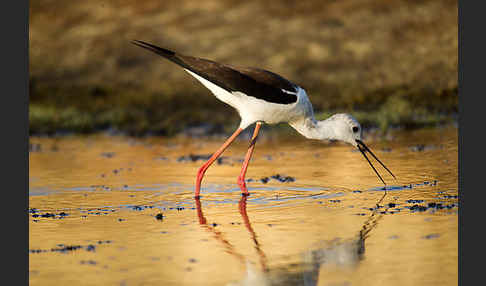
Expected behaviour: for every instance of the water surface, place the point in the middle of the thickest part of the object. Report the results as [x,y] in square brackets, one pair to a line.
[110,210]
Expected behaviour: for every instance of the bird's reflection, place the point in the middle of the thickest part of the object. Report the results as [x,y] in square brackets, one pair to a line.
[246,220]
[229,248]
[342,253]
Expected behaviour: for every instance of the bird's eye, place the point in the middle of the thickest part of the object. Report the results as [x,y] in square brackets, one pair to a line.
[355,129]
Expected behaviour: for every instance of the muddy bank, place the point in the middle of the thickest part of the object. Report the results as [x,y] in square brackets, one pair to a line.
[393,63]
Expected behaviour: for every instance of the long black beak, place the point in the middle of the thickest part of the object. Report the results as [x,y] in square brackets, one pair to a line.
[362,148]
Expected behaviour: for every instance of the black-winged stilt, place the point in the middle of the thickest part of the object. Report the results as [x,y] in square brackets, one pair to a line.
[261,96]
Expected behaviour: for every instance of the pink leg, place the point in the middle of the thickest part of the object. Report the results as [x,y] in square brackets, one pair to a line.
[241,177]
[202,170]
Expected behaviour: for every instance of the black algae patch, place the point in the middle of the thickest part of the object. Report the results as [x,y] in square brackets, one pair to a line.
[36,250]
[98,211]
[283,179]
[196,157]
[159,216]
[433,206]
[177,208]
[48,215]
[35,214]
[415,201]
[140,208]
[104,241]
[450,197]
[375,208]
[278,177]
[418,208]
[67,248]
[61,248]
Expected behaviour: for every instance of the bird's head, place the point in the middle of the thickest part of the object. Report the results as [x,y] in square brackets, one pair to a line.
[344,127]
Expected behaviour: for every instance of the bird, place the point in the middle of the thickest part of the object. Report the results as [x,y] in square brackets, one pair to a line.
[263,97]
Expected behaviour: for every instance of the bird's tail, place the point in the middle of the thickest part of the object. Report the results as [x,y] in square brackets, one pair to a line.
[168,54]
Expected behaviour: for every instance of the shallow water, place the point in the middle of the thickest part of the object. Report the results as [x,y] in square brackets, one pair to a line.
[110,210]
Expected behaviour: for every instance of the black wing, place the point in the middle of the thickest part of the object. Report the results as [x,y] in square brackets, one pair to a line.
[254,82]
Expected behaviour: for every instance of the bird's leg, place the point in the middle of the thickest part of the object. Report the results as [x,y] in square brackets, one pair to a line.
[202,170]
[241,177]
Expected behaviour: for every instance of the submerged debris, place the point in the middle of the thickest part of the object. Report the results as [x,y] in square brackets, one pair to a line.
[91,262]
[108,154]
[194,158]
[431,236]
[422,147]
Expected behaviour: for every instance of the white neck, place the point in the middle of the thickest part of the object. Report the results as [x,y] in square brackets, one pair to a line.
[313,129]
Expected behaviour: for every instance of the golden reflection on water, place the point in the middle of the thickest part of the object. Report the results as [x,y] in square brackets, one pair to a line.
[322,229]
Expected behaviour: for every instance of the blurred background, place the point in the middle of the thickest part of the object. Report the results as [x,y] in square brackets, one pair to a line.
[391,63]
